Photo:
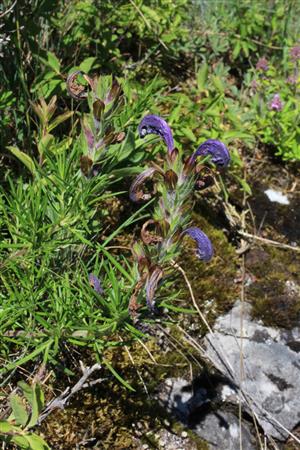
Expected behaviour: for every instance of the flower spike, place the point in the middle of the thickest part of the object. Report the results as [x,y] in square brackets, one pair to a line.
[219,153]
[152,124]
[204,247]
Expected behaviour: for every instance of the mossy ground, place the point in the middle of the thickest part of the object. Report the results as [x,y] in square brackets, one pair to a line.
[108,416]
[274,291]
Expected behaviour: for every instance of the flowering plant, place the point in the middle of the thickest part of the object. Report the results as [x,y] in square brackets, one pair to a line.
[173,182]
[273,95]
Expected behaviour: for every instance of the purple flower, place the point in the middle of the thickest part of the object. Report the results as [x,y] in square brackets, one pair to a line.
[135,192]
[219,153]
[95,283]
[262,64]
[204,247]
[156,125]
[276,103]
[295,53]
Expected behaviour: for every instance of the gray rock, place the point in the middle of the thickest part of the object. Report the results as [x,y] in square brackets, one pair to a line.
[269,374]
[221,430]
[177,395]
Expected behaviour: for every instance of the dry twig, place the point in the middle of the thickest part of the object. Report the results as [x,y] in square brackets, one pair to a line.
[63,399]
[268,241]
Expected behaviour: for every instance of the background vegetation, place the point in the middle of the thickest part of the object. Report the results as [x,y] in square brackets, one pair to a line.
[212,69]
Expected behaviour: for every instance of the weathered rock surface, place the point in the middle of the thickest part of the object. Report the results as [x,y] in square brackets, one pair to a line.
[268,372]
[193,406]
[221,430]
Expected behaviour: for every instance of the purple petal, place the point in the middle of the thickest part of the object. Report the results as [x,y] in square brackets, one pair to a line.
[152,124]
[95,283]
[276,103]
[89,137]
[135,192]
[205,249]
[262,64]
[219,153]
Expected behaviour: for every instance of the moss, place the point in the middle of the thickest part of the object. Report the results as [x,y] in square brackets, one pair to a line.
[213,282]
[274,292]
[107,413]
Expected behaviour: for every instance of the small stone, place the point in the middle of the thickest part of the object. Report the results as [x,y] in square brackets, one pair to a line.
[184,435]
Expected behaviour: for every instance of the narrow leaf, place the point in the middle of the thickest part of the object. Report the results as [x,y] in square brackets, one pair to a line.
[202,75]
[23,157]
[59,119]
[118,377]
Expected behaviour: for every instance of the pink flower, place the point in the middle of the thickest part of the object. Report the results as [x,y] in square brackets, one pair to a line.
[295,53]
[262,64]
[276,103]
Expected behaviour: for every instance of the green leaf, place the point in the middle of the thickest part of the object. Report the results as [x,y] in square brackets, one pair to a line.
[246,187]
[245,48]
[87,64]
[151,13]
[27,390]
[118,377]
[23,157]
[127,146]
[26,358]
[36,407]
[59,119]
[126,172]
[37,442]
[202,75]
[5,427]
[217,82]
[178,309]
[45,143]
[116,264]
[53,62]
[189,134]
[19,410]
[22,442]
[236,50]
[48,88]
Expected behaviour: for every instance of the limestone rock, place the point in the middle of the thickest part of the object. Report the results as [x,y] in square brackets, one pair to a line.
[269,374]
